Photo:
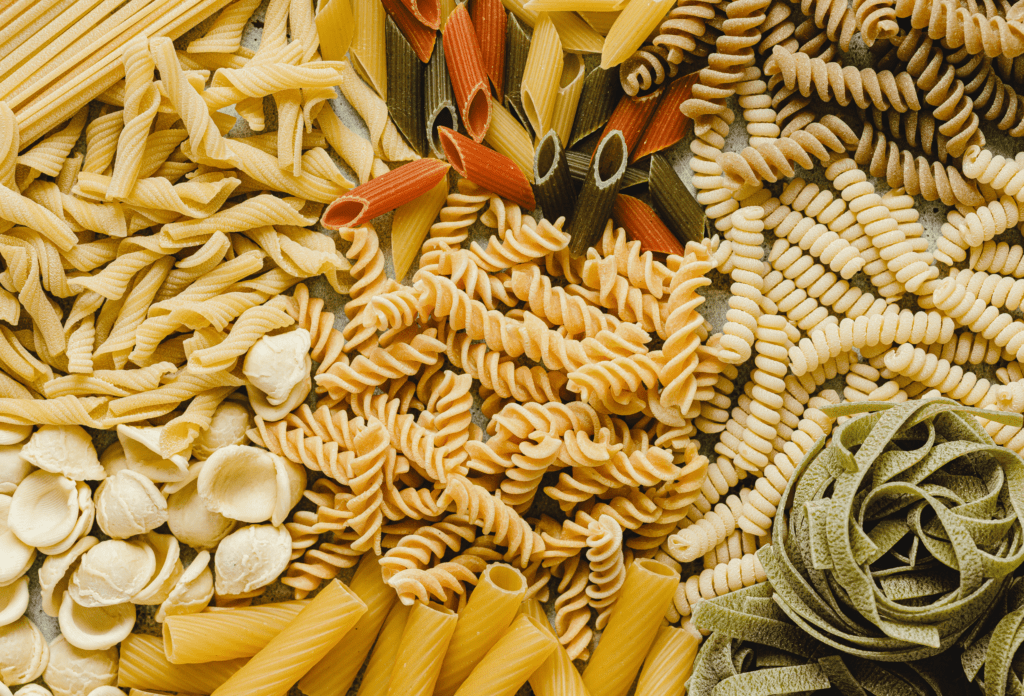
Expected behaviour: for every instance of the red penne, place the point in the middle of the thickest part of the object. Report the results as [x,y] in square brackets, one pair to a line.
[384,194]
[427,12]
[419,36]
[487,168]
[642,224]
[668,124]
[489,20]
[631,117]
[466,69]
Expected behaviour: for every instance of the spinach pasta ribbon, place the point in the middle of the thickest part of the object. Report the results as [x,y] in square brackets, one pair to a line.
[901,535]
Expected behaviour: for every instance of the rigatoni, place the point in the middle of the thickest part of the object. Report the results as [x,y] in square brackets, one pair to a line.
[518,653]
[405,88]
[601,91]
[642,224]
[410,225]
[368,44]
[225,634]
[557,675]
[421,38]
[510,137]
[491,608]
[337,670]
[567,99]
[669,663]
[143,665]
[674,203]
[286,658]
[438,100]
[466,69]
[517,41]
[634,623]
[487,168]
[541,75]
[377,676]
[631,117]
[668,124]
[335,25]
[631,28]
[421,651]
[597,196]
[384,194]
[553,186]
[490,23]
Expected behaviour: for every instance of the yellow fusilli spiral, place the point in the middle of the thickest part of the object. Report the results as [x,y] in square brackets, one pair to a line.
[951,380]
[748,283]
[520,244]
[252,325]
[451,403]
[572,609]
[680,349]
[998,258]
[967,309]
[437,583]
[607,570]
[715,582]
[774,159]
[868,332]
[295,444]
[367,481]
[997,290]
[600,381]
[876,19]
[959,26]
[709,531]
[638,266]
[426,545]
[972,227]
[322,564]
[553,303]
[768,378]
[968,348]
[377,365]
[452,228]
[1002,174]
[604,287]
[368,270]
[715,411]
[483,509]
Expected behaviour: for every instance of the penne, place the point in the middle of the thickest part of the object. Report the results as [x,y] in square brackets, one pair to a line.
[368,44]
[410,225]
[541,75]
[631,28]
[567,99]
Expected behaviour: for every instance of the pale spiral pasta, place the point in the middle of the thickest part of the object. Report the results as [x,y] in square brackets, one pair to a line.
[951,380]
[748,282]
[614,292]
[970,228]
[1002,174]
[463,267]
[709,531]
[452,228]
[968,348]
[610,379]
[607,570]
[557,306]
[715,582]
[140,106]
[451,404]
[317,449]
[572,608]
[868,332]
[681,360]
[639,267]
[876,19]
[998,258]
[489,513]
[944,19]
[715,411]
[521,244]
[823,243]
[322,564]
[967,309]
[998,291]
[378,365]
[371,446]
[772,160]
[768,379]
[368,270]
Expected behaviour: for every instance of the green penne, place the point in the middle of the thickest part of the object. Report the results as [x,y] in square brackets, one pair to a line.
[405,88]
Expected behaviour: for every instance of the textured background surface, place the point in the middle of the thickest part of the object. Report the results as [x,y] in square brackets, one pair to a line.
[714,309]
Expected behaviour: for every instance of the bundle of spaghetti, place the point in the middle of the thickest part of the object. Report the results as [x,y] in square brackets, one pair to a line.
[900,168]
[774,159]
[798,227]
[969,348]
[748,282]
[959,26]
[678,40]
[970,228]
[998,258]
[908,268]
[879,330]
[1002,174]
[950,380]
[830,81]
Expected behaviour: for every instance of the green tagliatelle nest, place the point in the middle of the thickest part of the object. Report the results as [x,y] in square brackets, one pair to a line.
[901,535]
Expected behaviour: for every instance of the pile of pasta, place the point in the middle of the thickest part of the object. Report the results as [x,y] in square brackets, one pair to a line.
[506,425]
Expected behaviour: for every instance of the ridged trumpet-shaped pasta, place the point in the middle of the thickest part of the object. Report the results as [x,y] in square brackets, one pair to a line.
[760,505]
[774,159]
[918,175]
[410,438]
[908,267]
[367,480]
[829,81]
[500,373]
[868,332]
[579,317]
[748,282]
[572,609]
[140,106]
[483,509]
[1002,174]
[972,227]
[426,545]
[521,243]
[205,138]
[607,570]
[998,258]
[368,270]
[951,380]
[715,582]
[680,358]
[252,325]
[377,365]
[709,531]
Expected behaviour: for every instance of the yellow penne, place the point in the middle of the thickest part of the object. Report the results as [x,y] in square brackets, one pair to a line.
[631,28]
[570,86]
[541,74]
[507,136]
[368,53]
[335,25]
[410,225]
[577,36]
[601,22]
[574,5]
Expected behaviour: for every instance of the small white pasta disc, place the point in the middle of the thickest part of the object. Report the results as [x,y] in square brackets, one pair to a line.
[250,484]
[33,690]
[76,672]
[23,652]
[193,591]
[276,364]
[192,523]
[267,411]
[230,422]
[55,574]
[128,504]
[168,569]
[251,558]
[16,556]
[11,434]
[112,572]
[44,510]
[13,601]
[13,467]
[95,628]
[64,449]
[142,450]
[113,459]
